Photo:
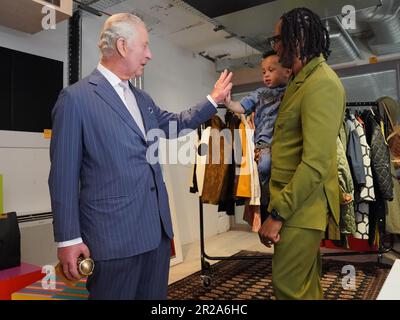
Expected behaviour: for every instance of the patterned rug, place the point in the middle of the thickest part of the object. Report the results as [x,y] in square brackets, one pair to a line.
[251,279]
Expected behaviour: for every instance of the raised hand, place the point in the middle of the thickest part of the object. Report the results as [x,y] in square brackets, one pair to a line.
[222,87]
[228,99]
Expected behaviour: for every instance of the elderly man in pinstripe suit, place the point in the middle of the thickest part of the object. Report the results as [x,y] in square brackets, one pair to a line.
[108,201]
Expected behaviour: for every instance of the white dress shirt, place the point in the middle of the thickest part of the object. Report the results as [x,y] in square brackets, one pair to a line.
[115,81]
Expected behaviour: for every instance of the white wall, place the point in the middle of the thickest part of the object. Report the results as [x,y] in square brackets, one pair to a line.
[174,78]
[24,160]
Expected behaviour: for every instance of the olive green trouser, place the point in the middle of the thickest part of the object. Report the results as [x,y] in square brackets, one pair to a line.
[296,264]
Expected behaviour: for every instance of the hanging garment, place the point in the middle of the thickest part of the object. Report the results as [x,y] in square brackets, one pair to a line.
[228,200]
[347,214]
[354,154]
[193,185]
[243,188]
[391,106]
[252,209]
[252,215]
[367,192]
[201,158]
[362,221]
[219,157]
[376,220]
[220,172]
[385,116]
[343,136]
[332,231]
[393,207]
[391,109]
[383,184]
[248,181]
[254,178]
[193,180]
[391,112]
[380,157]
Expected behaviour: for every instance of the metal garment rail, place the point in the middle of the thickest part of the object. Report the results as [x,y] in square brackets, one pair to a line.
[205,265]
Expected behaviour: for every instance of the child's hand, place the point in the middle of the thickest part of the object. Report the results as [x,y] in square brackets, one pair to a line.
[234,106]
[228,100]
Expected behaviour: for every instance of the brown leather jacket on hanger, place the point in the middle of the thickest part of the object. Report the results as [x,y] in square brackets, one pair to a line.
[214,187]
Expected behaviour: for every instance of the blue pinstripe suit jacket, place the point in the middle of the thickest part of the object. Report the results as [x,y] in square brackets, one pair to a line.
[102,187]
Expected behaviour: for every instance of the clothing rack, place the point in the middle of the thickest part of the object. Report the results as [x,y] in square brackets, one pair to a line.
[362,104]
[381,248]
[205,265]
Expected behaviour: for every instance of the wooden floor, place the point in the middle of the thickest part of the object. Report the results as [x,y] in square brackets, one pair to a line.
[231,242]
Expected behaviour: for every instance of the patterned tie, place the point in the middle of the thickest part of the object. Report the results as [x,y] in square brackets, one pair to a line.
[132,106]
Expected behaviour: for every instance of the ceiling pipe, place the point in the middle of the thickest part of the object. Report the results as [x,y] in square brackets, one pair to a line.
[349,39]
[384,21]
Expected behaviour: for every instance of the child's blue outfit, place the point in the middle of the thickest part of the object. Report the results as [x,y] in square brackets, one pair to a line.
[265,103]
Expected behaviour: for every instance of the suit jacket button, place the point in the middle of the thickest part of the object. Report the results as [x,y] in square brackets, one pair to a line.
[153,188]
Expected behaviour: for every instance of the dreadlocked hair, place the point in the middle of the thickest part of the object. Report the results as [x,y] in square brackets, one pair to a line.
[303,33]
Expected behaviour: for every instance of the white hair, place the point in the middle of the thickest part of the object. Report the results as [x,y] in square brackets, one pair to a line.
[120,25]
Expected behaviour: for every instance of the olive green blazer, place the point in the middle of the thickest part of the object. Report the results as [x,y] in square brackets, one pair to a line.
[304,183]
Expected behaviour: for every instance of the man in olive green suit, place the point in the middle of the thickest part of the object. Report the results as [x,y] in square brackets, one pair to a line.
[304,177]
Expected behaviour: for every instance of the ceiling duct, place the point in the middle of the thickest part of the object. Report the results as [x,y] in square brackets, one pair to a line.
[341,49]
[254,24]
[342,52]
[384,21]
[342,46]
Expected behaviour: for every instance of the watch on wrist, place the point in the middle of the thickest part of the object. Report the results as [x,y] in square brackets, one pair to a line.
[275,216]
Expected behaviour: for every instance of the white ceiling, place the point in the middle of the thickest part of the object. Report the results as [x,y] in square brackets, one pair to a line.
[174,21]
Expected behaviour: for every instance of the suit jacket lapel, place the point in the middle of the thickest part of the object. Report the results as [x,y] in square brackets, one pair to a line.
[109,95]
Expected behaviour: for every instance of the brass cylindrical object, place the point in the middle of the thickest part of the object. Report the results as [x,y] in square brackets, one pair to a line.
[85,266]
